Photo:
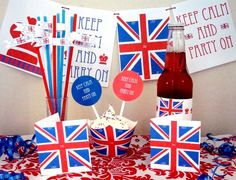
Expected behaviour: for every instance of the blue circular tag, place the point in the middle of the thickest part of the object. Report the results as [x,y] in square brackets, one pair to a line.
[86,90]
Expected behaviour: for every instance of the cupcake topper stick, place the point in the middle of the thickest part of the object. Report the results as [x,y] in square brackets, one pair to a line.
[127,86]
[122,108]
[86,91]
[95,112]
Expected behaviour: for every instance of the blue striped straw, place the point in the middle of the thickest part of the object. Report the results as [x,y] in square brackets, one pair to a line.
[59,81]
[60,69]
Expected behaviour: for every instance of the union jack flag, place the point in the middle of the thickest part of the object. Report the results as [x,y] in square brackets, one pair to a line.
[63,146]
[224,26]
[142,45]
[170,107]
[110,141]
[175,145]
[188,36]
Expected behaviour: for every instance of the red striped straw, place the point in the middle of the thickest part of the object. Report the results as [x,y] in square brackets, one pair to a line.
[68,73]
[54,61]
[45,82]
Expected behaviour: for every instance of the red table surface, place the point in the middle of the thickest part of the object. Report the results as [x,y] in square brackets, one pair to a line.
[134,165]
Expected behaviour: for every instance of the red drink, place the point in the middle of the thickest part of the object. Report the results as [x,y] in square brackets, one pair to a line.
[175,81]
[174,86]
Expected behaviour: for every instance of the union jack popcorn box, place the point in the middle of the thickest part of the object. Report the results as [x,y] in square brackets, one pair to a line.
[63,146]
[112,141]
[175,144]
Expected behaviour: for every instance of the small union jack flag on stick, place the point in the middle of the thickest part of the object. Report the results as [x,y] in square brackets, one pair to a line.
[175,145]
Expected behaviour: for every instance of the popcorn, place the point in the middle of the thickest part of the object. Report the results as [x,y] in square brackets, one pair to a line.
[110,113]
[109,118]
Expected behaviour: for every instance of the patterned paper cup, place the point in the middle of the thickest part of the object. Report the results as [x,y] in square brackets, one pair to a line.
[110,141]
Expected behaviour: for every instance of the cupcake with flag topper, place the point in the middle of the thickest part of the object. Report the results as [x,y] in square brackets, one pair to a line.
[111,133]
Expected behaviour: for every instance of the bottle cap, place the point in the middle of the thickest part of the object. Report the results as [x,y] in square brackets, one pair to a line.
[178,24]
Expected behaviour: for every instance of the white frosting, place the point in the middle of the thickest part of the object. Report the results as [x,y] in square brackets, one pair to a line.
[109,118]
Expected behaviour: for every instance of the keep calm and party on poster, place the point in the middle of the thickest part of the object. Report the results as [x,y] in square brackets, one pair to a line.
[209,31]
[96,27]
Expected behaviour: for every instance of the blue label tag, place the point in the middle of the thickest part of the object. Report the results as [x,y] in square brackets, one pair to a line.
[86,90]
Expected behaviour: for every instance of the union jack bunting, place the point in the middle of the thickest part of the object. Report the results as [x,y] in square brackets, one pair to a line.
[62,146]
[143,41]
[175,145]
[110,141]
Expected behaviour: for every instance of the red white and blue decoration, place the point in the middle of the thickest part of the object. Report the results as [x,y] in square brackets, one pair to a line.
[23,53]
[142,37]
[133,165]
[175,145]
[14,147]
[170,107]
[127,85]
[110,141]
[92,57]
[62,146]
[86,90]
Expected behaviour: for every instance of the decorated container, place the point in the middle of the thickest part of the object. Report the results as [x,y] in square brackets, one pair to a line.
[112,134]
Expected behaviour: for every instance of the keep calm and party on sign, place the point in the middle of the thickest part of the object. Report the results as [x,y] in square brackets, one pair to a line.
[209,31]
[92,58]
[98,28]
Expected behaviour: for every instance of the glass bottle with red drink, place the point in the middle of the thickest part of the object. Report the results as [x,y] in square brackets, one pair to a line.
[175,86]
